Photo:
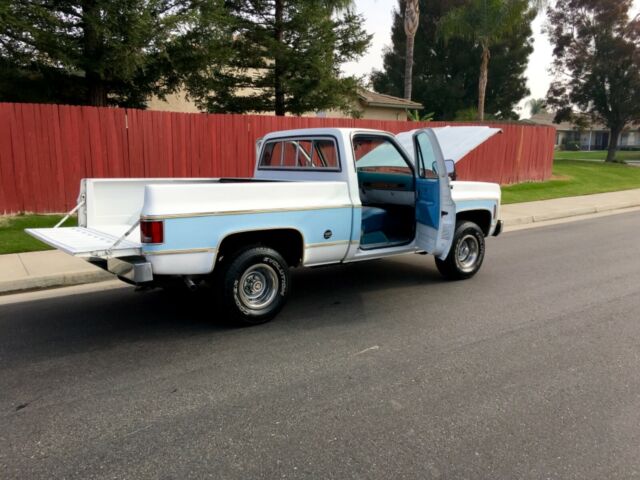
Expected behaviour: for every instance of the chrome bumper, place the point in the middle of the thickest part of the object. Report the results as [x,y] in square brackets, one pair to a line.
[135,269]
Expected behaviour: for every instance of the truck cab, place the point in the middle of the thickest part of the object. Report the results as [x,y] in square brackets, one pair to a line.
[400,186]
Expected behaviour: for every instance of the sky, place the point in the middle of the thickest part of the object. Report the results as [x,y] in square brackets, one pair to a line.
[378,16]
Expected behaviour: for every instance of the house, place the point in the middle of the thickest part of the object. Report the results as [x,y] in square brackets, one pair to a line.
[370,105]
[593,137]
[377,106]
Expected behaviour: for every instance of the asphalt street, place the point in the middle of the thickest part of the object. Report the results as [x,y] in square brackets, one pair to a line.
[374,370]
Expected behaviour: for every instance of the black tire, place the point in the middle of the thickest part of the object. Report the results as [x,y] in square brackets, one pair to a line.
[466,255]
[253,285]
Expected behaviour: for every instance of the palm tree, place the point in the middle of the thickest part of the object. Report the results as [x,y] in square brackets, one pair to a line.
[411,18]
[414,116]
[485,23]
[536,105]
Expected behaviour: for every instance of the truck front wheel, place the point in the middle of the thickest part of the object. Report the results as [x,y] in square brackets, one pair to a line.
[466,254]
[254,285]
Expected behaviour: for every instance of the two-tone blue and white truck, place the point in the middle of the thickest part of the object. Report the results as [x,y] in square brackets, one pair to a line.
[319,196]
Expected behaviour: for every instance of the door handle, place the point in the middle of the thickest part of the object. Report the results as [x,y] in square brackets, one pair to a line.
[443,213]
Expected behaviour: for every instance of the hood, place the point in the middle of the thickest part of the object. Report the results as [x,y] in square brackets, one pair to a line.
[455,142]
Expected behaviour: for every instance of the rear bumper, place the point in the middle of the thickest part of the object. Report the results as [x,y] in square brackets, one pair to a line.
[134,269]
[498,230]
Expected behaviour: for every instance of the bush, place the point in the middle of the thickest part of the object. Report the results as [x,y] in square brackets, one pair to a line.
[570,145]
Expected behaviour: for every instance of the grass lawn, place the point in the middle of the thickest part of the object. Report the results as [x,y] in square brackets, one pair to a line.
[575,177]
[14,240]
[596,155]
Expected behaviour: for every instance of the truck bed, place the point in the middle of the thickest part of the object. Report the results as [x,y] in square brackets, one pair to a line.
[111,208]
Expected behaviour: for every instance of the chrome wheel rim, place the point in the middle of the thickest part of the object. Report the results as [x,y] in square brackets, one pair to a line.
[258,286]
[468,252]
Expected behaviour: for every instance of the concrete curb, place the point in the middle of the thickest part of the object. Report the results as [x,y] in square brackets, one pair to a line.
[66,279]
[576,212]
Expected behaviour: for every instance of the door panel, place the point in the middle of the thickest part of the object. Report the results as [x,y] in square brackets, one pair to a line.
[428,202]
[435,210]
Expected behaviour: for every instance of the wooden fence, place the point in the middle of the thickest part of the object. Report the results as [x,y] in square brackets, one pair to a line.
[46,149]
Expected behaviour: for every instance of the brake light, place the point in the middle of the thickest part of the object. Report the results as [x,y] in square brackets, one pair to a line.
[152,232]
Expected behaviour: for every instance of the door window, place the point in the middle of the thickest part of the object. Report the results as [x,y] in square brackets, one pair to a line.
[426,156]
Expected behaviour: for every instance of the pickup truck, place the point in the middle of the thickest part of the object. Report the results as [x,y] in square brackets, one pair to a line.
[318,196]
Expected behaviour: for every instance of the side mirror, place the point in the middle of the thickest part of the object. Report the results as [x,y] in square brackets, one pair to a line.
[450,165]
[451,169]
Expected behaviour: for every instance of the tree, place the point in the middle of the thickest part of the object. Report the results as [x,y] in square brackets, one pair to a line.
[285,57]
[445,78]
[411,20]
[596,63]
[415,116]
[100,52]
[484,23]
[536,105]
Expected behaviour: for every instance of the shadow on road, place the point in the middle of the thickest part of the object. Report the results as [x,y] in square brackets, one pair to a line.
[98,320]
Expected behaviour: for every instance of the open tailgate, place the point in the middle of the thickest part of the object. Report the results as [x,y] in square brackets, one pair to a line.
[85,242]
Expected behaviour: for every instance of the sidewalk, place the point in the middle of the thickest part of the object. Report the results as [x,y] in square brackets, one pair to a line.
[37,270]
[545,210]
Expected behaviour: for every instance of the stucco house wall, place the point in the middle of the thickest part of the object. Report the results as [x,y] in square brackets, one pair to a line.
[370,105]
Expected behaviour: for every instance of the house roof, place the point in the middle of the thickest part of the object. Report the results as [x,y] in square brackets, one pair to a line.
[546,118]
[375,99]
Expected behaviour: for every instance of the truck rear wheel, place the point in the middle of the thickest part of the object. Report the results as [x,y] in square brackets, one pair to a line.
[466,254]
[254,285]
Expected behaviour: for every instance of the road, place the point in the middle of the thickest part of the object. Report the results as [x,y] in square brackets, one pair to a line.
[375,370]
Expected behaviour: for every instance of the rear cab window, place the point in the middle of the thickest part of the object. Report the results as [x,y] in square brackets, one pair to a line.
[300,154]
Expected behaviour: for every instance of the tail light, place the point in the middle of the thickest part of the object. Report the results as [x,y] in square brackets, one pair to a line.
[152,232]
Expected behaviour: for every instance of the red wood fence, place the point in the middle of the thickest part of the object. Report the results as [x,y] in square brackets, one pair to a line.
[46,149]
